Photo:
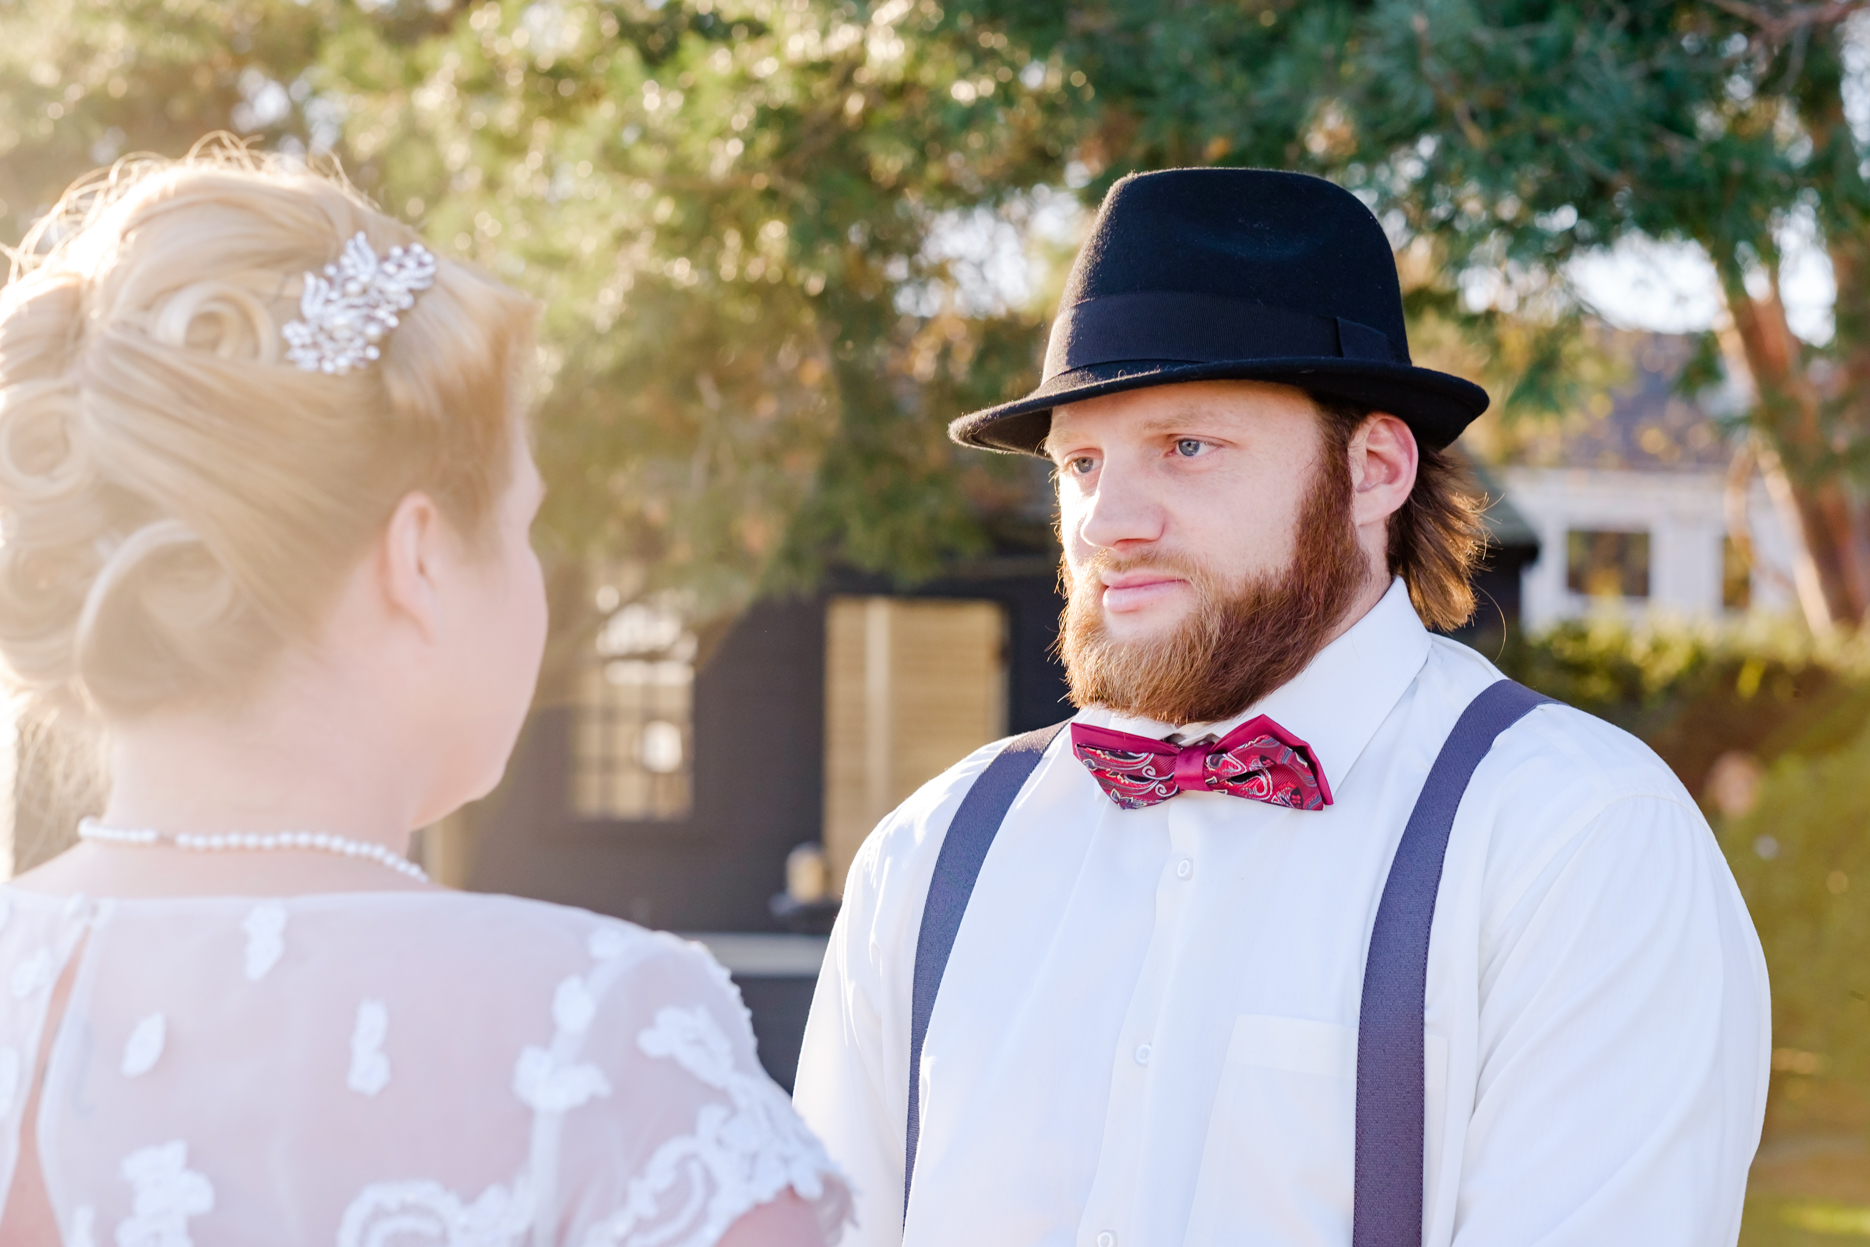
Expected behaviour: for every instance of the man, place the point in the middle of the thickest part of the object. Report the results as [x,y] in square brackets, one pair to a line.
[1147,1031]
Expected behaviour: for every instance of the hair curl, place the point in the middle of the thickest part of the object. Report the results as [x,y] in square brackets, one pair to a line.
[177,503]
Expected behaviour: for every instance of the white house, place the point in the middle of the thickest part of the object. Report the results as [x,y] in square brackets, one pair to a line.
[1629,501]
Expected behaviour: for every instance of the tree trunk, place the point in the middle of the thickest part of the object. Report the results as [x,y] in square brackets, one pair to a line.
[1789,416]
[1834,425]
[1849,412]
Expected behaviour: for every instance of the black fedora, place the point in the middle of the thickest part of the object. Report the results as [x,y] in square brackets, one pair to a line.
[1254,274]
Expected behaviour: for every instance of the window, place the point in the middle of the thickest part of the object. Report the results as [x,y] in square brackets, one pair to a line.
[1603,563]
[633,734]
[912,686]
[1736,576]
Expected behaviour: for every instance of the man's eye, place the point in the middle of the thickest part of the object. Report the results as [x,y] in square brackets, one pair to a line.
[1189,447]
[1082,465]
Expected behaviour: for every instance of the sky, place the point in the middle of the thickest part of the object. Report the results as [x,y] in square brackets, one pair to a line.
[1671,287]
[995,262]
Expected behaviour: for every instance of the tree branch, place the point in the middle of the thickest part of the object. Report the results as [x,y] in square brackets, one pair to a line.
[1778,26]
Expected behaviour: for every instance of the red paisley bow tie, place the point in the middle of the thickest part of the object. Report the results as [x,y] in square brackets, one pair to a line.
[1258,760]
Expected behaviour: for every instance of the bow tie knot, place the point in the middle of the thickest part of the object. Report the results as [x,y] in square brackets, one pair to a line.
[1258,760]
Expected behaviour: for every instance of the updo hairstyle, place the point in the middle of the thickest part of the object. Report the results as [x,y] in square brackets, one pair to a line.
[178,501]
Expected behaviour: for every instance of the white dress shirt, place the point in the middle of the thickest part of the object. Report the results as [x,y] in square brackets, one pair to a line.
[1147,1031]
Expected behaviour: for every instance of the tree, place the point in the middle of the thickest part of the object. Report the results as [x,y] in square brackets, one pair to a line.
[735,209]
[752,347]
[1509,136]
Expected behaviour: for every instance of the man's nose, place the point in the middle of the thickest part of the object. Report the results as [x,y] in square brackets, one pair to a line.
[1121,512]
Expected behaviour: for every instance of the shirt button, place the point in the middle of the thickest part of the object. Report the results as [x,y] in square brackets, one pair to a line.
[1143,1054]
[1184,868]
[1106,1239]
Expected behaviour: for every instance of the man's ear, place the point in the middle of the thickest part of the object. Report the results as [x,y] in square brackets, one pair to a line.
[1383,462]
[410,553]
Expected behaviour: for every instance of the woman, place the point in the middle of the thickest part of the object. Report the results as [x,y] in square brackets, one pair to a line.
[266,494]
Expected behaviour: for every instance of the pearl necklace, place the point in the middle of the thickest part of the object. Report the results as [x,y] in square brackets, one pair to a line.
[316,841]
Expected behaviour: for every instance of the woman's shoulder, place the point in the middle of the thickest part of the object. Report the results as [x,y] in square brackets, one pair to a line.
[503,916]
[511,923]
[438,939]
[501,935]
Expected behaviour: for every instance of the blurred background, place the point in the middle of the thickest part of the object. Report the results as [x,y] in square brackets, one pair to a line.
[784,241]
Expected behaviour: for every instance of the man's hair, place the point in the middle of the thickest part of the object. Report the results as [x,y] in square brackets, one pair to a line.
[1437,538]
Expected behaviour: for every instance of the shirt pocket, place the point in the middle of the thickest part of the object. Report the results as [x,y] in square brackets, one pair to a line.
[1276,1166]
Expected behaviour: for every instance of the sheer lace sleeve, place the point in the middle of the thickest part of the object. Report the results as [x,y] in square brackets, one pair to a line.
[393,1070]
[707,1136]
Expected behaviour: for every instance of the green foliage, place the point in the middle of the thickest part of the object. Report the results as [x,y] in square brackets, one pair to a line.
[736,209]
[1498,137]
[1801,856]
[1642,677]
[752,346]
[83,83]
[1803,863]
[1693,692]
[724,207]
[1778,1221]
[1704,368]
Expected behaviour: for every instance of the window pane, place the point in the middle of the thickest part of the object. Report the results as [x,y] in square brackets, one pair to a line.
[1602,563]
[633,735]
[912,686]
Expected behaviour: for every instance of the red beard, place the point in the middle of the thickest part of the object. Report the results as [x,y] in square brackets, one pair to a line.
[1239,643]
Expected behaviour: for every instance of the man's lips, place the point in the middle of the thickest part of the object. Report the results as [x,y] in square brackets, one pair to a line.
[1134,591]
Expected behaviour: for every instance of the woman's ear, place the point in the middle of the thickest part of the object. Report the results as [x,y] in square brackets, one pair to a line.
[414,551]
[1383,461]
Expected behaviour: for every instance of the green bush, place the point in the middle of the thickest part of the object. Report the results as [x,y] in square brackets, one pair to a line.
[1694,692]
[1801,855]
[1802,858]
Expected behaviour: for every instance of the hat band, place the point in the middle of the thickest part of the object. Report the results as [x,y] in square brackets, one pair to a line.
[1174,327]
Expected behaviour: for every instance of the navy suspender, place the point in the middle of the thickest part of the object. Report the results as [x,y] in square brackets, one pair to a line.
[970,835]
[1387,1197]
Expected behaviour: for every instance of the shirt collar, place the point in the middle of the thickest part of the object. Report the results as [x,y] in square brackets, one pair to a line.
[1336,704]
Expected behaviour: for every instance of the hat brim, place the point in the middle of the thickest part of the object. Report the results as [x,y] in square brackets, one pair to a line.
[1435,405]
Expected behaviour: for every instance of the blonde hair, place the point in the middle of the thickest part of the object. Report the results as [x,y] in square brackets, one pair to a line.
[177,502]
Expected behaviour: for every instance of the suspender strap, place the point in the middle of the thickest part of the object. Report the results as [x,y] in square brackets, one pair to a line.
[1391,1089]
[963,850]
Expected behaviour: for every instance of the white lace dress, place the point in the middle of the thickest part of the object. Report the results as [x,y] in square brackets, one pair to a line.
[401,1069]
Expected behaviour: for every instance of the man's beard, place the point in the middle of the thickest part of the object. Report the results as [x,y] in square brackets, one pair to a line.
[1239,643]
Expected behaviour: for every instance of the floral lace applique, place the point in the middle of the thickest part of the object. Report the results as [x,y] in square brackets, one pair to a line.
[428,1214]
[693,1039]
[32,975]
[12,1065]
[722,976]
[573,1006]
[143,1050]
[741,1155]
[168,1193]
[265,925]
[606,943]
[546,1083]
[548,1080]
[370,1069]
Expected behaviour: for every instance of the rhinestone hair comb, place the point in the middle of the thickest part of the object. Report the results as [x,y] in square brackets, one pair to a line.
[348,311]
